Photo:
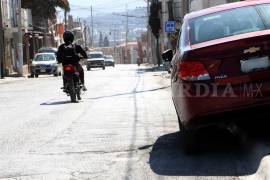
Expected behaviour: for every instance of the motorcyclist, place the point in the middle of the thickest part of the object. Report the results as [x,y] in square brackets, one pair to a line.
[68,53]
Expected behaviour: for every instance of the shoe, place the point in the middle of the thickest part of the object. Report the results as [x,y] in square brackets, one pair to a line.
[64,90]
[75,101]
[84,88]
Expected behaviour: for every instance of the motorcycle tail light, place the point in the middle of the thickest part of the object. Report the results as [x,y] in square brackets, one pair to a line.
[68,68]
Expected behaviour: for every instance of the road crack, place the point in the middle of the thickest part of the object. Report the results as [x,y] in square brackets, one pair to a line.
[101,151]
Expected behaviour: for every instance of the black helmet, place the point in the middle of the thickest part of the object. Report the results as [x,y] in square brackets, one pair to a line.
[68,37]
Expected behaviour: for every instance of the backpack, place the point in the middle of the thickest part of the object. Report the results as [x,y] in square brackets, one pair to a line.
[70,54]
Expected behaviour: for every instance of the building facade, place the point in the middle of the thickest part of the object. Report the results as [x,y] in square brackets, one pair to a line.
[34,36]
[11,30]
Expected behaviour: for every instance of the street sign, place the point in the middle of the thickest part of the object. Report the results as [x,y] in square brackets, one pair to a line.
[170,26]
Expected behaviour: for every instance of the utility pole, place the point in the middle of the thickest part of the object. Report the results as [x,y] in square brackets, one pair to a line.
[148,34]
[65,19]
[2,44]
[113,30]
[85,34]
[126,52]
[92,27]
[127,16]
[20,44]
[114,34]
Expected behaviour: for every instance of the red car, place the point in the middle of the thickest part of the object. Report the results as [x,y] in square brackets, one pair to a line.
[221,64]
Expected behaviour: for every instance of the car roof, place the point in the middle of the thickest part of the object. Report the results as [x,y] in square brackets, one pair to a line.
[45,53]
[225,7]
[48,49]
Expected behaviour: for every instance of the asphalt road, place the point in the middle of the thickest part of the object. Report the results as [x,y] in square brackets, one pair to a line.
[124,128]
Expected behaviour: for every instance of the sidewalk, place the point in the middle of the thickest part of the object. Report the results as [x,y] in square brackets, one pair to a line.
[152,67]
[8,80]
[155,69]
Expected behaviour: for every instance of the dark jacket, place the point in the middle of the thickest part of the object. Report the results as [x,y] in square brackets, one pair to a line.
[61,56]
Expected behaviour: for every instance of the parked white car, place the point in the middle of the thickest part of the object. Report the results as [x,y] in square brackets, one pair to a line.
[45,64]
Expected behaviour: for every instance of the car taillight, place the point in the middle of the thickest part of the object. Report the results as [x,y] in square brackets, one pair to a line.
[193,71]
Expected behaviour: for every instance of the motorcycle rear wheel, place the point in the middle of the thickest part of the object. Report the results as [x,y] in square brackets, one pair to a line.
[71,90]
[78,89]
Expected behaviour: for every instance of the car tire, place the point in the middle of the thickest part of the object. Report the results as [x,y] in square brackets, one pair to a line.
[56,75]
[189,140]
[36,75]
[103,67]
[88,69]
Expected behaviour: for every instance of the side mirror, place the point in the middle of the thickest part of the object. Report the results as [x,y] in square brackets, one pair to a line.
[167,55]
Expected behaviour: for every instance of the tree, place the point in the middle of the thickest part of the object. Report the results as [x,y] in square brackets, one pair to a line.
[154,19]
[106,42]
[155,24]
[100,43]
[44,10]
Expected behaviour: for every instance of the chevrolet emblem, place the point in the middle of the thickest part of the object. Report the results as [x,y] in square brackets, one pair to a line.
[252,50]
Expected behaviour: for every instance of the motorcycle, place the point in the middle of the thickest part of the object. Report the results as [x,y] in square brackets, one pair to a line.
[72,83]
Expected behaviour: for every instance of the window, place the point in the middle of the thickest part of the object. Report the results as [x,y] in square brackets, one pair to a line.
[264,11]
[229,23]
[93,56]
[45,57]
[109,57]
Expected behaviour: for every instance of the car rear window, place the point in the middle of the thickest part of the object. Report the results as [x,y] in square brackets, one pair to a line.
[229,23]
[109,57]
[93,56]
[45,57]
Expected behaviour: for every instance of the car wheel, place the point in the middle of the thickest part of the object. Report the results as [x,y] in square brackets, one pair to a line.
[59,74]
[56,74]
[88,69]
[189,140]
[36,75]
[180,124]
[103,68]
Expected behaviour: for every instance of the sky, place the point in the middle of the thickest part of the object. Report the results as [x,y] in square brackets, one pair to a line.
[81,8]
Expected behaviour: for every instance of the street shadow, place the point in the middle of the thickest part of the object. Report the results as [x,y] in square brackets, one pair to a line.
[130,163]
[95,69]
[43,77]
[55,103]
[130,93]
[220,152]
